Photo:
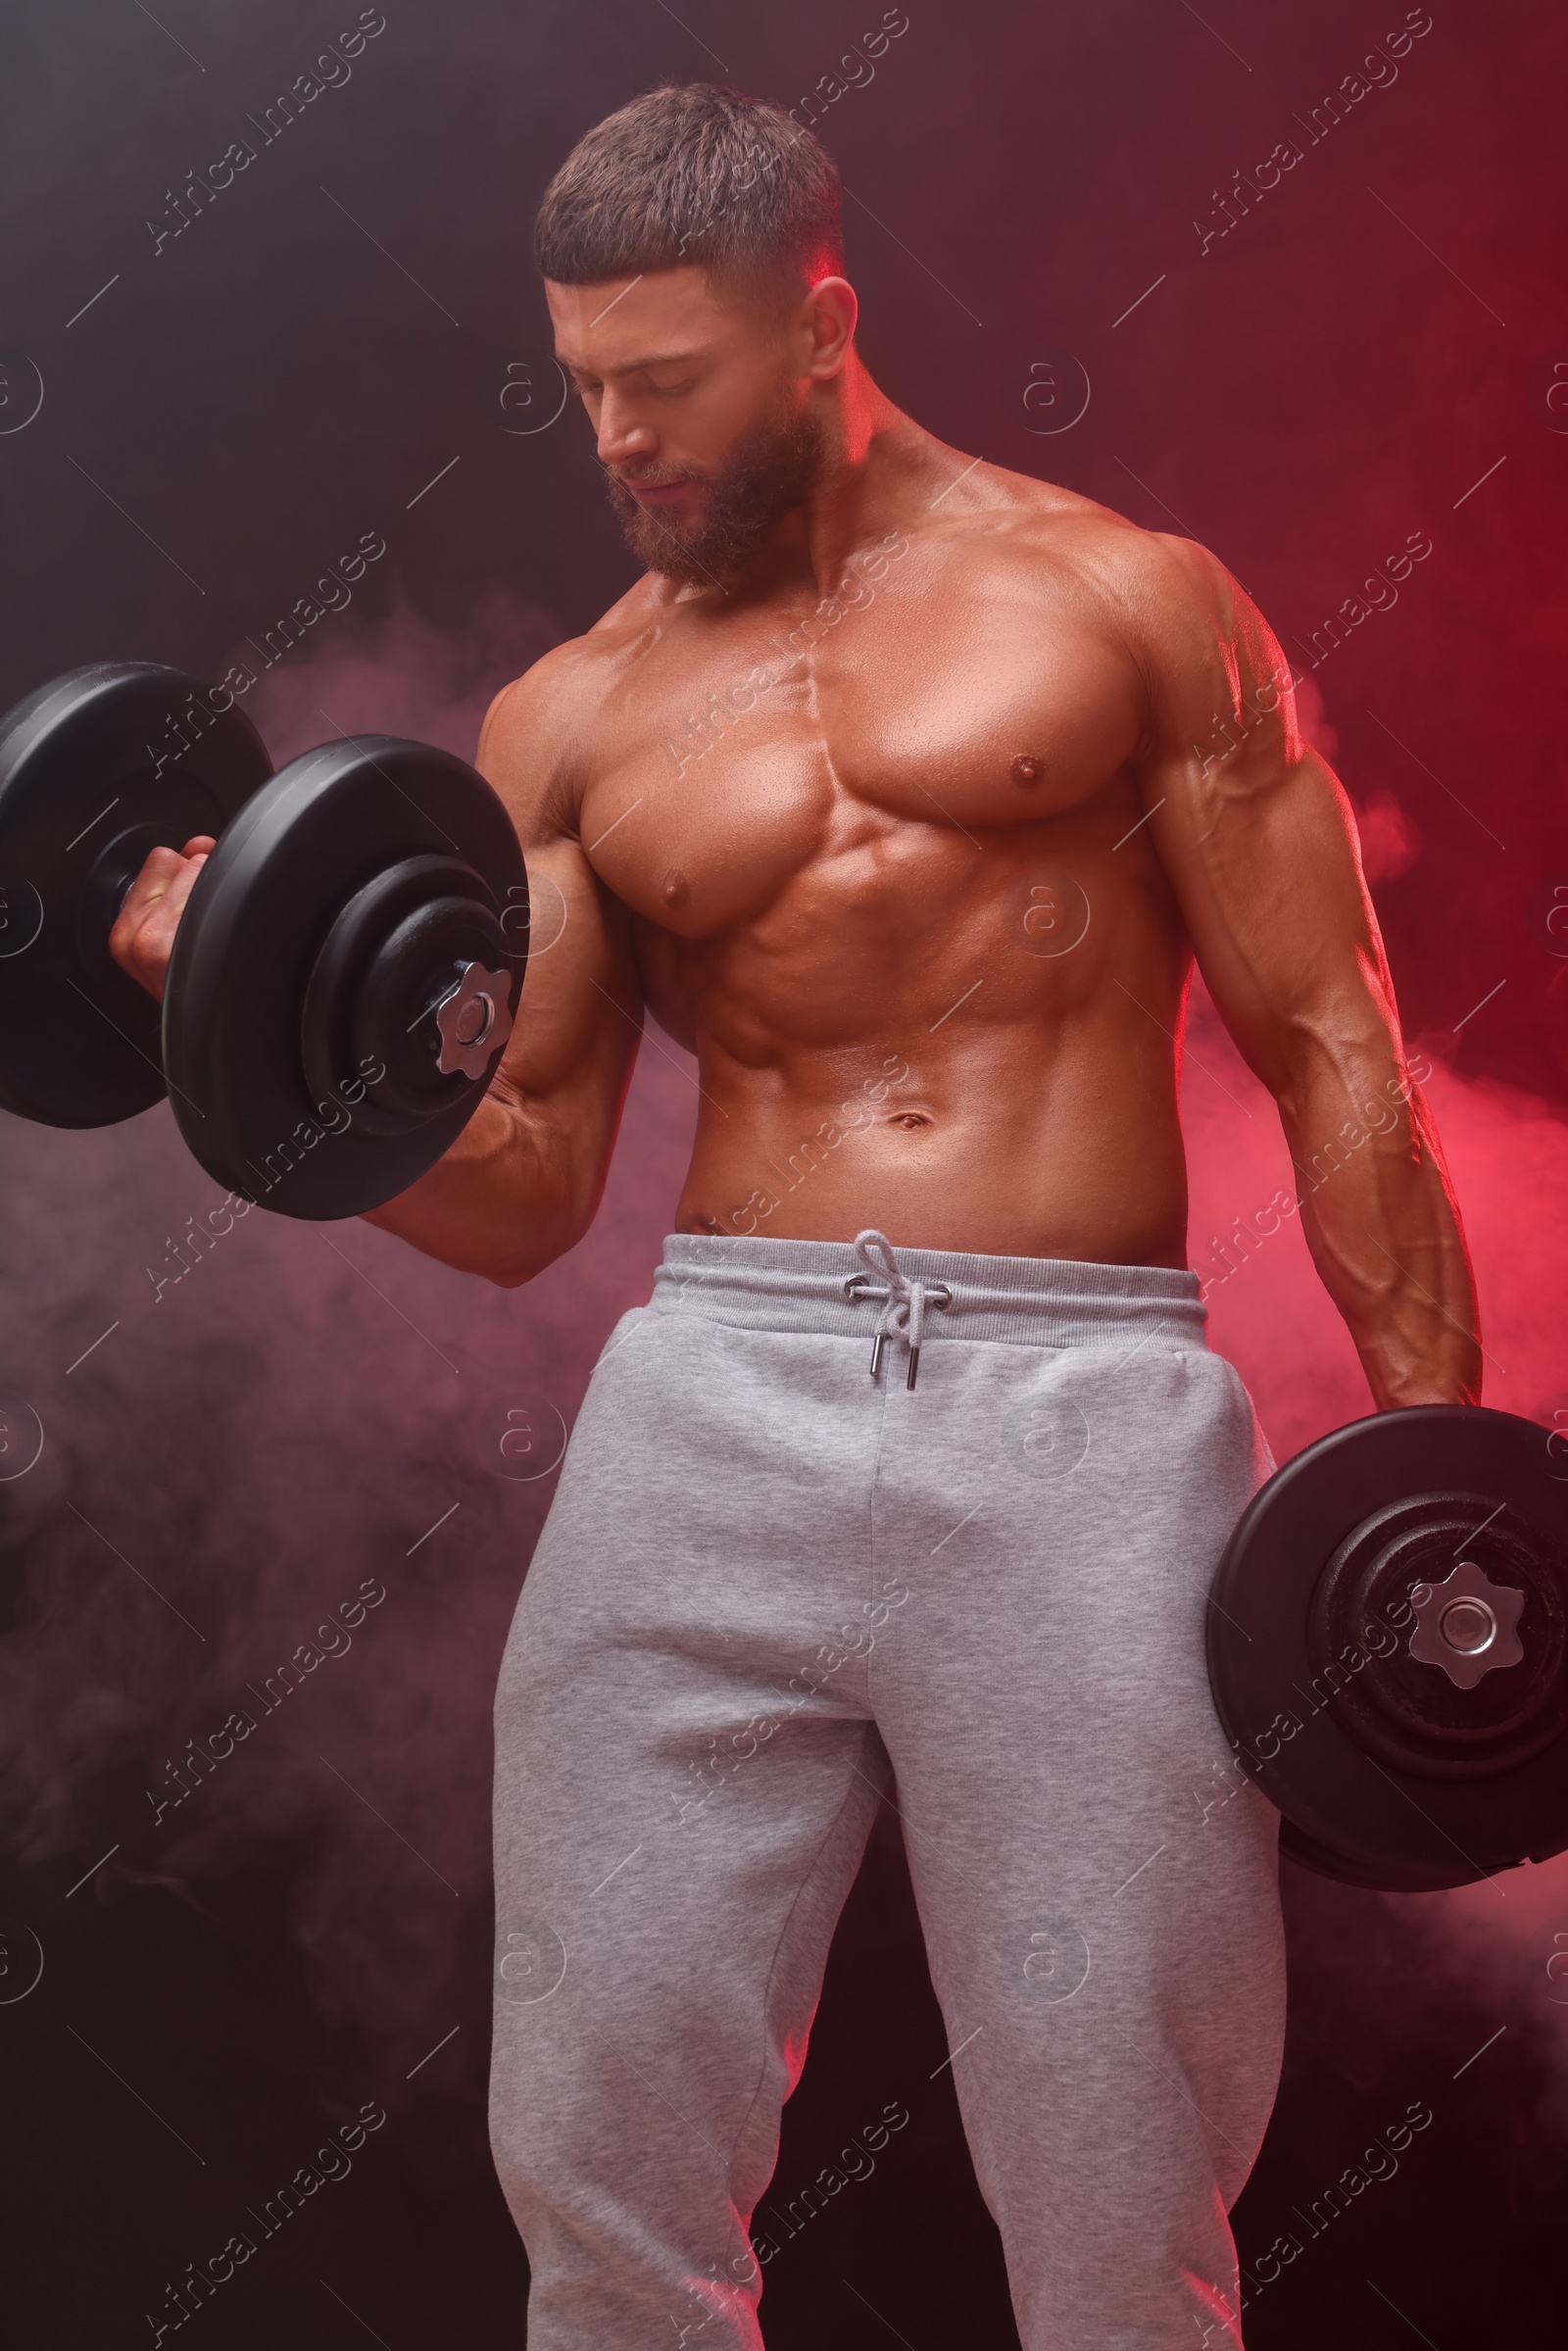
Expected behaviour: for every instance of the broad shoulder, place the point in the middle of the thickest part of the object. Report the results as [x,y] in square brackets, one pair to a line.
[530,746]
[1192,635]
[1156,584]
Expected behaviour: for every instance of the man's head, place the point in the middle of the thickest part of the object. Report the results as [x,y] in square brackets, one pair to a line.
[692,264]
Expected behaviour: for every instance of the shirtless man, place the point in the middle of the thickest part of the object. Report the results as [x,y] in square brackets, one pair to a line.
[905,791]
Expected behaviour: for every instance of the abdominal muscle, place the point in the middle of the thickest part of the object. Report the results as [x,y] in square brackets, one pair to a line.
[959,1028]
[1000,1142]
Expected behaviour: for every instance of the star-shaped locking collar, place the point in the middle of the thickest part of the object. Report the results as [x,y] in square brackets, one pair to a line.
[474,1020]
[1467,1625]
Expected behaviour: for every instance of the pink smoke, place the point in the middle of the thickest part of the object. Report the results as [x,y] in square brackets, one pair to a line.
[374,1392]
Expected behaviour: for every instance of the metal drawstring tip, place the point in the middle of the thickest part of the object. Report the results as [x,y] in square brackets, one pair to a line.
[877,1345]
[914,1365]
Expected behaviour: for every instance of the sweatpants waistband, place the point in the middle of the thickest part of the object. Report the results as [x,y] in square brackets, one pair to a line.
[833,1287]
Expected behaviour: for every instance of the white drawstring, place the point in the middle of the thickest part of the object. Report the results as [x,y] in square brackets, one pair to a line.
[904,1302]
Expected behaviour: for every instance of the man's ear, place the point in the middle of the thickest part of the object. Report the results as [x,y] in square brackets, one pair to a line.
[830,311]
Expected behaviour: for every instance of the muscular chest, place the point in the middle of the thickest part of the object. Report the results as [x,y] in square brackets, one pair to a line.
[734,758]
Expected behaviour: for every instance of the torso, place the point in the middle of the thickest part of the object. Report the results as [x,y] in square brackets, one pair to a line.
[889,890]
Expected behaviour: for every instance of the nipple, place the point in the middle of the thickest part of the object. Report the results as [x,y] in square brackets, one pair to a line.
[1026,768]
[676,888]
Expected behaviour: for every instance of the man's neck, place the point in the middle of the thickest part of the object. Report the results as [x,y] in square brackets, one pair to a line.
[857,496]
[873,454]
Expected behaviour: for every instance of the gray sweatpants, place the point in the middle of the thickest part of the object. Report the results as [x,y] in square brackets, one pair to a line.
[767,1581]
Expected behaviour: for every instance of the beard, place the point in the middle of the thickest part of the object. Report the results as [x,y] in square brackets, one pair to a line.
[767,475]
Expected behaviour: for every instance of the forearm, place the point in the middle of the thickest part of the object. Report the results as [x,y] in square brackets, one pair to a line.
[1381,1223]
[508,1199]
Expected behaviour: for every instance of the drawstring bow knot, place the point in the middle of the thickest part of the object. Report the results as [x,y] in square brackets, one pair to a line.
[905,1298]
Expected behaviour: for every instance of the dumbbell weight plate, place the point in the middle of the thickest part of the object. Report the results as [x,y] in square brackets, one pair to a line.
[341,904]
[1389,1771]
[96,768]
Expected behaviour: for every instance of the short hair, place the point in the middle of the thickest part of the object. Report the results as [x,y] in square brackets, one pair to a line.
[694,172]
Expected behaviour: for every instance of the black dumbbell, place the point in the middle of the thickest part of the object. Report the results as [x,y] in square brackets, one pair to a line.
[1388,1647]
[345,972]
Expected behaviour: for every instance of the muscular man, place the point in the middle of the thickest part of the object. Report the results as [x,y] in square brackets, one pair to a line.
[905,792]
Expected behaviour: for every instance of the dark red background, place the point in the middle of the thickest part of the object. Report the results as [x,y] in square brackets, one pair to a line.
[1373,338]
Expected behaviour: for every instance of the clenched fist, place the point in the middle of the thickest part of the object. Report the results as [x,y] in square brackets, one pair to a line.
[143,937]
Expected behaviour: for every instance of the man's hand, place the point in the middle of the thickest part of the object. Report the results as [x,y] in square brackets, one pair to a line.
[143,937]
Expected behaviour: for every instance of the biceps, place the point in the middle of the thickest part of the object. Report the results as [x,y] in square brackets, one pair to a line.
[580,1014]
[1280,924]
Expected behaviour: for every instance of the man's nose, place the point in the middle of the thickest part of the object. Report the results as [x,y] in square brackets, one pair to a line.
[623,435]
